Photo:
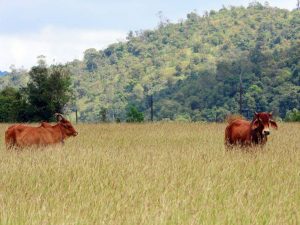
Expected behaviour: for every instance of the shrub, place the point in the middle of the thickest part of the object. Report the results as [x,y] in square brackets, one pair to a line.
[293,115]
[133,115]
[183,118]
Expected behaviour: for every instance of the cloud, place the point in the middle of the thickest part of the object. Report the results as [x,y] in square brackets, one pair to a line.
[59,45]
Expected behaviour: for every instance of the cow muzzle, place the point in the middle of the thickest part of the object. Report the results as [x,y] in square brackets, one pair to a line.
[266,132]
[75,134]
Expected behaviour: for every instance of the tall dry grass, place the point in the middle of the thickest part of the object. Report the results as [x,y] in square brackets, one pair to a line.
[161,173]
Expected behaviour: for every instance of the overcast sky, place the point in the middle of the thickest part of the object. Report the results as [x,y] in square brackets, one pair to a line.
[62,29]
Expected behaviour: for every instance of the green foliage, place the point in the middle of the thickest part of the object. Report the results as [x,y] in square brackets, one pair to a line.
[48,91]
[134,116]
[183,118]
[192,68]
[103,114]
[293,115]
[12,105]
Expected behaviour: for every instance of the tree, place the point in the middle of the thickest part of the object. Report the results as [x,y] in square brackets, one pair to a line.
[41,61]
[48,91]
[90,58]
[12,105]
[232,73]
[153,82]
[103,114]
[133,115]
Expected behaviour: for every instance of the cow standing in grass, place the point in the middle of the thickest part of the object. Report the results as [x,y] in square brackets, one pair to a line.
[248,133]
[46,134]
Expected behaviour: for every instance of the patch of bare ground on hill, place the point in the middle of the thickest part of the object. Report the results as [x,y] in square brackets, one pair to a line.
[161,173]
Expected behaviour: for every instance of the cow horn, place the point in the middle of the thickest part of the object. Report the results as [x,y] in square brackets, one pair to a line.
[255,113]
[58,116]
[270,114]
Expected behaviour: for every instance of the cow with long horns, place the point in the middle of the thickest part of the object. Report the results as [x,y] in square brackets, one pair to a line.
[20,135]
[248,133]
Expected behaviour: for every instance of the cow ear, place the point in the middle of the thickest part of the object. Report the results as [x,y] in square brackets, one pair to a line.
[59,117]
[255,124]
[273,124]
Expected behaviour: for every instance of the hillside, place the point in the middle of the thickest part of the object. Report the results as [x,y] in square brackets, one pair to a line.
[191,70]
[2,73]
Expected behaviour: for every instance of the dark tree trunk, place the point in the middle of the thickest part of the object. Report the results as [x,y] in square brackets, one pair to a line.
[151,107]
[76,116]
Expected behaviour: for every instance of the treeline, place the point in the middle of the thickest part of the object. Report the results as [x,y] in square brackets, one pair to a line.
[233,60]
[48,91]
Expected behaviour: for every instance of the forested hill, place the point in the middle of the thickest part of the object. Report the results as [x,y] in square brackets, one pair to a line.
[2,73]
[192,69]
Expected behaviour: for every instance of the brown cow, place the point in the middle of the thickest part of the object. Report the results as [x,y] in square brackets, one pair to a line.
[245,133]
[46,134]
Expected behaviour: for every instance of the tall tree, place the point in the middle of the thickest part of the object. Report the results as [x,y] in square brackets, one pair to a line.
[153,83]
[48,91]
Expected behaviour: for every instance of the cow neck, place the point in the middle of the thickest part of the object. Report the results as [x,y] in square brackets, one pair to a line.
[257,134]
[63,136]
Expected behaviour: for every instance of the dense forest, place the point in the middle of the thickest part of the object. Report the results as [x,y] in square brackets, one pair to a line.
[235,60]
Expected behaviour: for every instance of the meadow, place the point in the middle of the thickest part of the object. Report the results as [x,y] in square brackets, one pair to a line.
[160,173]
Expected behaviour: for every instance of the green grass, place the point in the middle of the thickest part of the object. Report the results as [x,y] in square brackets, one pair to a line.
[164,173]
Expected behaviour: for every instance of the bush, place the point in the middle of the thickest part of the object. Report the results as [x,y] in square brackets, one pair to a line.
[133,115]
[183,118]
[292,115]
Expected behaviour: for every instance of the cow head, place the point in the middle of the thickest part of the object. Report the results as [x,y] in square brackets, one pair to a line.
[65,125]
[263,121]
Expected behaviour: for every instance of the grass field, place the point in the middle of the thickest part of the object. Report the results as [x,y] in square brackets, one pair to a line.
[164,173]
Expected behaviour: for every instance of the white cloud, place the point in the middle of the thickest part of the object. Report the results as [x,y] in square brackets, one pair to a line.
[57,44]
